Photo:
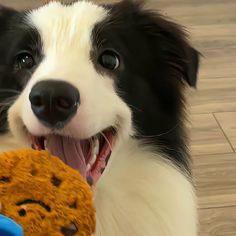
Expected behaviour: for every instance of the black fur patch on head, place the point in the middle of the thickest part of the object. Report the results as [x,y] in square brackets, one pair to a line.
[16,36]
[157,63]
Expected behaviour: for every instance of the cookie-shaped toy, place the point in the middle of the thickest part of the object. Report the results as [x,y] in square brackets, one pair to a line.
[45,196]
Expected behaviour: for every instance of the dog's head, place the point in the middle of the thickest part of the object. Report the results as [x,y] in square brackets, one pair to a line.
[90,74]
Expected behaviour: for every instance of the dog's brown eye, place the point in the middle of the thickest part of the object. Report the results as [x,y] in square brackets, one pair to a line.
[24,61]
[109,60]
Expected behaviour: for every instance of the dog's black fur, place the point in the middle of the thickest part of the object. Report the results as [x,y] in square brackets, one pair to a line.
[14,37]
[152,76]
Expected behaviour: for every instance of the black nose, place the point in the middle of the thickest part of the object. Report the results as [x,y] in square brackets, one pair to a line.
[54,102]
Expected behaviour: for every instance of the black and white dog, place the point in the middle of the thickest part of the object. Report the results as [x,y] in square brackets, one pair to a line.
[102,87]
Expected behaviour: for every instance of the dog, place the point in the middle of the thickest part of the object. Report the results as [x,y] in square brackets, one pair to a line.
[103,88]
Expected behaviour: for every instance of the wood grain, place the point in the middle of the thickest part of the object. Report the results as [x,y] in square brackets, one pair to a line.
[206,136]
[21,4]
[195,12]
[215,180]
[227,121]
[214,95]
[218,221]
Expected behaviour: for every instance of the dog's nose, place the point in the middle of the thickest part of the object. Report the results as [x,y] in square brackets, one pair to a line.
[54,102]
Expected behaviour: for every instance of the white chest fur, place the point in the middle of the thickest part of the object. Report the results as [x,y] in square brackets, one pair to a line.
[141,194]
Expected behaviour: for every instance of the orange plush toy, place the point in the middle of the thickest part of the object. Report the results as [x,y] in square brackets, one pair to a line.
[44,196]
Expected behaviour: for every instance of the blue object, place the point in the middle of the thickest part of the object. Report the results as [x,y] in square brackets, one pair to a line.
[9,227]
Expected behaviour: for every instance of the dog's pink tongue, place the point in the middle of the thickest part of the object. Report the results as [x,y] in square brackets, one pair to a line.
[69,151]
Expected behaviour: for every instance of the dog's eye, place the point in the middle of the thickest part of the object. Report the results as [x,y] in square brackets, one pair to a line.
[109,60]
[24,61]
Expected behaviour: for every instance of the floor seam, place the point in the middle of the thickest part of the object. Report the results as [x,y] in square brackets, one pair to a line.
[216,207]
[225,135]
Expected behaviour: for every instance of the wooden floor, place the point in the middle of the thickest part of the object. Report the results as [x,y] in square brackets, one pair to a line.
[212,25]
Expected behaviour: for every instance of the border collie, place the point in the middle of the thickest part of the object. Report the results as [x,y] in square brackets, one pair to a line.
[102,87]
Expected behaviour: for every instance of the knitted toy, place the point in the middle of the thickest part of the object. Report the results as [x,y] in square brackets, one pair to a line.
[44,196]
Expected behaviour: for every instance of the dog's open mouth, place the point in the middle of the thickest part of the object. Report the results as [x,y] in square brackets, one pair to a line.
[89,156]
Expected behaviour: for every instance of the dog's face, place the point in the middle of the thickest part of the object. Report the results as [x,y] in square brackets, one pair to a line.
[87,70]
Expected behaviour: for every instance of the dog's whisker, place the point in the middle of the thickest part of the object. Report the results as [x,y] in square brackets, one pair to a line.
[9,91]
[159,135]
[7,102]
[136,108]
[106,139]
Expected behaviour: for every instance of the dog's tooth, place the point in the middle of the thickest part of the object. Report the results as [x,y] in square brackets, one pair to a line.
[88,168]
[93,159]
[96,149]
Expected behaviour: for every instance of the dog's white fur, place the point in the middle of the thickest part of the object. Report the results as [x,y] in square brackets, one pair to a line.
[140,193]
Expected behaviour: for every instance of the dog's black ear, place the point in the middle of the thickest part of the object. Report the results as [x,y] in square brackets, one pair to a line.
[174,47]
[170,42]
[167,39]
[192,67]
[5,15]
[6,12]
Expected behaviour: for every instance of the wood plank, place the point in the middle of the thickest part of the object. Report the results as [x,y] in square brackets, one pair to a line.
[227,121]
[215,179]
[212,37]
[213,95]
[217,84]
[218,222]
[21,4]
[198,12]
[218,63]
[206,136]
[26,4]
